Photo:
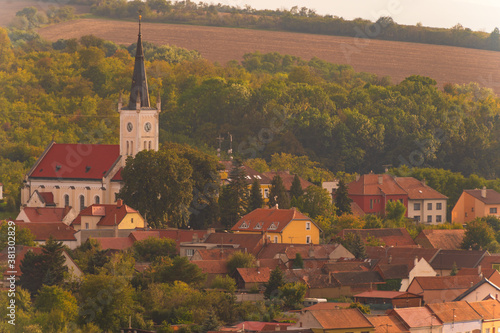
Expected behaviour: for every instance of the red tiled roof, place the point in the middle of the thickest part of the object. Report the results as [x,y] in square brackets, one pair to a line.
[118,175]
[287,179]
[400,255]
[441,239]
[113,214]
[251,174]
[251,242]
[390,236]
[384,294]
[341,319]
[417,190]
[348,266]
[76,161]
[492,196]
[415,317]
[327,306]
[212,266]
[446,282]
[356,210]
[462,258]
[387,324]
[258,326]
[255,275]
[43,231]
[47,197]
[45,214]
[178,235]
[488,261]
[454,311]
[268,219]
[486,308]
[369,185]
[115,243]
[216,254]
[20,256]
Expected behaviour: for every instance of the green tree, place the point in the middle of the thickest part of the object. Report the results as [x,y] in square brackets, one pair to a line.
[211,322]
[255,201]
[234,196]
[277,194]
[240,260]
[58,307]
[296,188]
[478,235]
[178,269]
[159,185]
[226,283]
[454,269]
[152,248]
[363,308]
[315,202]
[342,199]
[23,236]
[395,211]
[354,244]
[276,281]
[298,262]
[293,295]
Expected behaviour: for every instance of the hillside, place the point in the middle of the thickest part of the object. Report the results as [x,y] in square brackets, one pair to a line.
[385,58]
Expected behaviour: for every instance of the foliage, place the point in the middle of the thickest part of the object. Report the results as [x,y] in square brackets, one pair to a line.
[226,283]
[296,188]
[342,200]
[478,235]
[454,269]
[314,202]
[152,248]
[255,200]
[390,284]
[277,194]
[298,262]
[159,185]
[234,196]
[293,295]
[276,281]
[58,306]
[23,236]
[167,270]
[363,308]
[354,244]
[395,211]
[240,260]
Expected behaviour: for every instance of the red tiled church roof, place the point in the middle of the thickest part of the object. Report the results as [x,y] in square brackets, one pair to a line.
[76,161]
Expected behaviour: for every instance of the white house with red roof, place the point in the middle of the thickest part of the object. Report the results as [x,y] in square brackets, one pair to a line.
[47,215]
[80,175]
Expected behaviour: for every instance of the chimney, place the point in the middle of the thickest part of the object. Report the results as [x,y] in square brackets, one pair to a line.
[329,277]
[424,181]
[119,203]
[390,259]
[257,263]
[311,251]
[415,262]
[483,192]
[276,206]
[380,179]
[195,238]
[357,177]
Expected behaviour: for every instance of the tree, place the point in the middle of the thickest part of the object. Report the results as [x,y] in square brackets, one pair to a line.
[342,200]
[234,196]
[211,322]
[159,185]
[23,236]
[296,188]
[179,269]
[354,244]
[240,260]
[226,283]
[256,201]
[293,295]
[298,262]
[315,202]
[276,280]
[152,248]
[395,211]
[58,306]
[478,235]
[454,269]
[278,195]
[363,308]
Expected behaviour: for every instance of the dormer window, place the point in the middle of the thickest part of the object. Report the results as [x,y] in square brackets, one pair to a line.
[258,177]
[274,226]
[248,177]
[244,225]
[259,225]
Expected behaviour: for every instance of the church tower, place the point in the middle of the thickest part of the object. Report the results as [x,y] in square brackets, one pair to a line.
[139,122]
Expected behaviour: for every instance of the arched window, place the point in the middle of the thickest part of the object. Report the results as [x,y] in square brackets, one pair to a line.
[66,200]
[97,199]
[128,146]
[149,145]
[131,148]
[82,202]
[145,145]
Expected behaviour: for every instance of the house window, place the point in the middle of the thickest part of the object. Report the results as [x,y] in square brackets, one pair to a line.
[308,239]
[308,225]
[275,239]
[259,225]
[86,226]
[66,200]
[402,201]
[131,220]
[274,226]
[266,193]
[465,214]
[371,203]
[429,206]
[244,225]
[438,218]
[416,206]
[429,218]
[189,252]
[493,210]
[97,199]
[472,209]
[439,206]
[82,202]
[417,218]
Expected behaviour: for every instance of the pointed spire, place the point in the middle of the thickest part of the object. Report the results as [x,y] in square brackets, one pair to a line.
[139,94]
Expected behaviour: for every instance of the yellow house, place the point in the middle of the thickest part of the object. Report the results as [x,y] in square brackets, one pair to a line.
[108,216]
[280,226]
[476,203]
[490,311]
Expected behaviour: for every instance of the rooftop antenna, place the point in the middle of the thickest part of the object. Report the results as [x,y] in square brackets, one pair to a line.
[230,151]
[220,139]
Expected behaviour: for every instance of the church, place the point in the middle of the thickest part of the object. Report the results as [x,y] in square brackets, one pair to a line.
[79,175]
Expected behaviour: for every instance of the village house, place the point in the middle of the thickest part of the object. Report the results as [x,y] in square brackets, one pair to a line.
[418,320]
[385,299]
[250,278]
[445,260]
[438,289]
[482,290]
[79,175]
[445,239]
[65,215]
[476,203]
[59,231]
[489,311]
[336,320]
[279,226]
[457,316]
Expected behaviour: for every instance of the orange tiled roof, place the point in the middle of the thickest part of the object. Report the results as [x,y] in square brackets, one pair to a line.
[446,282]
[417,190]
[255,275]
[441,239]
[114,243]
[268,219]
[341,319]
[212,266]
[251,242]
[454,311]
[387,324]
[486,308]
[415,317]
[45,214]
[43,231]
[390,236]
[327,306]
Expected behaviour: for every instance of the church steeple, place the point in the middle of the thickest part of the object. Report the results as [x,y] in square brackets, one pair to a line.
[139,90]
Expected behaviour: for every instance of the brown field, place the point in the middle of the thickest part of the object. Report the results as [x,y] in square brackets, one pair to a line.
[9,8]
[395,59]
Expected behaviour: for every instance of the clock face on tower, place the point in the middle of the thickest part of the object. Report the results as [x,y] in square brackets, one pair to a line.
[130,127]
[147,126]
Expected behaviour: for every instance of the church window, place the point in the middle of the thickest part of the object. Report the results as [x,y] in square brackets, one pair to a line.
[66,200]
[97,199]
[149,145]
[82,202]
[131,148]
[127,147]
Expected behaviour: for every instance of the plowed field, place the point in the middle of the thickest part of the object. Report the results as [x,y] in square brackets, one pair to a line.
[395,59]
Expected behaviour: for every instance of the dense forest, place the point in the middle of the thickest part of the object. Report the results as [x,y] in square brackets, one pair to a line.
[269,103]
[296,19]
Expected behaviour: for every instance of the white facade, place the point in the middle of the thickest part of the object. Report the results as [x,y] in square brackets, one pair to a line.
[420,268]
[428,211]
[462,327]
